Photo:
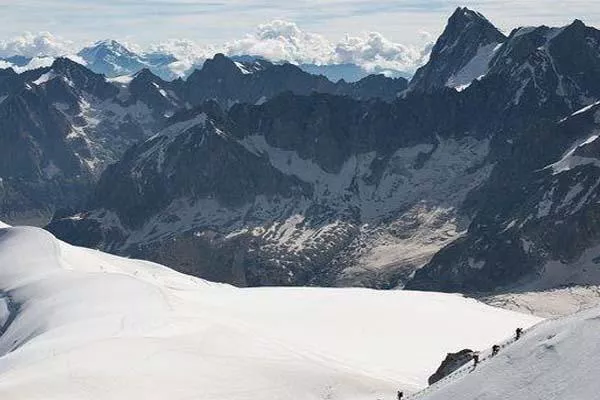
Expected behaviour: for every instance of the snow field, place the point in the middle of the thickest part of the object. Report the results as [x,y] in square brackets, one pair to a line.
[78,323]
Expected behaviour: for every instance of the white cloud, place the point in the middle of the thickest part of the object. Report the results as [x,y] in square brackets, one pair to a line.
[189,54]
[36,45]
[373,52]
[34,63]
[282,40]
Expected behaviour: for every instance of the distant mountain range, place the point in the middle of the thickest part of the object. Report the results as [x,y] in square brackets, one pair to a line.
[113,59]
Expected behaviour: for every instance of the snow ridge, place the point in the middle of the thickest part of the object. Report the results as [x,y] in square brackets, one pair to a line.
[546,363]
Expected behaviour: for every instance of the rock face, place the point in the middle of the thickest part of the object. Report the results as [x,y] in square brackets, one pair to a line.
[451,363]
[534,218]
[58,128]
[299,190]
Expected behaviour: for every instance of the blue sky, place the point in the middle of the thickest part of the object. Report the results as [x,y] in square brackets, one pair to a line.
[211,21]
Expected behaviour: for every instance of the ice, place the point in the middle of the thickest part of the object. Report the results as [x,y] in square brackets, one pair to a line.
[84,324]
[242,68]
[570,161]
[123,79]
[584,109]
[474,69]
[45,78]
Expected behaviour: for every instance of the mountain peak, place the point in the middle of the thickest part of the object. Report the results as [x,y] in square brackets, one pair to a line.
[111,45]
[220,65]
[464,14]
[63,64]
[465,22]
[461,54]
[111,58]
[145,74]
[577,27]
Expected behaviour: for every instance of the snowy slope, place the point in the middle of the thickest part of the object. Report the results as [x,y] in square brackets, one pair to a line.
[474,69]
[556,360]
[78,323]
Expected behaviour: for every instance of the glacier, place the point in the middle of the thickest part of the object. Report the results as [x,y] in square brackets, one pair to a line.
[80,323]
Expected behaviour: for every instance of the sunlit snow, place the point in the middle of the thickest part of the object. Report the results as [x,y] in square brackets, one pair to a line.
[79,323]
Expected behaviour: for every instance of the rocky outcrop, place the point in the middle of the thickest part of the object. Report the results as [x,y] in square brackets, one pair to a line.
[451,363]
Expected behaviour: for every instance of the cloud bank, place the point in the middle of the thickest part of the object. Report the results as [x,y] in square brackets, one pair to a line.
[277,41]
[43,44]
[281,40]
[285,41]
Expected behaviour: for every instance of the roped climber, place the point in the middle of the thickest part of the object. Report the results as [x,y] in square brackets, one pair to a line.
[495,349]
[518,333]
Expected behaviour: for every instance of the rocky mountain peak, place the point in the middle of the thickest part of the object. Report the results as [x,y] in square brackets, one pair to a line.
[463,16]
[106,47]
[64,64]
[111,58]
[220,66]
[145,75]
[82,78]
[461,54]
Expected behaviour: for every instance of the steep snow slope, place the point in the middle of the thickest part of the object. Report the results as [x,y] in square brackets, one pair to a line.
[476,68]
[77,323]
[557,360]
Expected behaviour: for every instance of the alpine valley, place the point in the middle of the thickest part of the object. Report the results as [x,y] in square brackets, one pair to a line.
[481,174]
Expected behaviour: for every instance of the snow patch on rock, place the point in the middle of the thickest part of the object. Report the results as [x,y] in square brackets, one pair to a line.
[475,69]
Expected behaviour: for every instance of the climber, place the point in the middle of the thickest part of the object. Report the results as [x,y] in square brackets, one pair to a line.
[495,349]
[400,395]
[518,333]
[475,359]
